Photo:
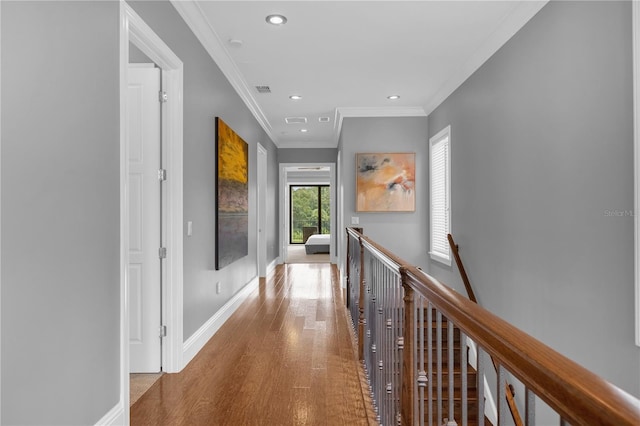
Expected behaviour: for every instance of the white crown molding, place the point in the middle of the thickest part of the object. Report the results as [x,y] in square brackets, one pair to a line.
[195,18]
[511,24]
[306,144]
[346,112]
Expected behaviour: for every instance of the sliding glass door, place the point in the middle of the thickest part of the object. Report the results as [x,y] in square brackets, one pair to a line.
[310,207]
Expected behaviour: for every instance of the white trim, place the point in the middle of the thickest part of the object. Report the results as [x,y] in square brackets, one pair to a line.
[134,29]
[140,34]
[261,189]
[284,208]
[343,112]
[124,218]
[196,342]
[115,416]
[271,266]
[442,134]
[328,143]
[346,112]
[511,24]
[635,7]
[439,258]
[195,18]
[0,219]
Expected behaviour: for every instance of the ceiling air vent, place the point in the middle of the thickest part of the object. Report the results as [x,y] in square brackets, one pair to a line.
[295,120]
[263,89]
[324,119]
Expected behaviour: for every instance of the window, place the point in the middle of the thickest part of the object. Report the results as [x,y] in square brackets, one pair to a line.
[440,195]
[310,214]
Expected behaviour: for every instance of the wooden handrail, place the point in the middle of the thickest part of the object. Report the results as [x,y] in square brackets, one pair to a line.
[509,393]
[463,273]
[577,394]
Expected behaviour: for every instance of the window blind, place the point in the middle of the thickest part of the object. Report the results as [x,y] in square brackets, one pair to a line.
[440,219]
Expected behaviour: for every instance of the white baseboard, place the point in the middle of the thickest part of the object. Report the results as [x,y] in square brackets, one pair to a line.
[273,264]
[198,339]
[115,416]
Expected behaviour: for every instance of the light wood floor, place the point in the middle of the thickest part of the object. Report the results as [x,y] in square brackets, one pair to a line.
[285,357]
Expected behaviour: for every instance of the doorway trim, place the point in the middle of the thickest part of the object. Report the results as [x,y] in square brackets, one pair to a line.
[635,8]
[133,29]
[284,207]
[261,196]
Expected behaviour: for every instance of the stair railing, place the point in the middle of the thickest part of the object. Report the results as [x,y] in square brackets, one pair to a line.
[394,309]
[509,391]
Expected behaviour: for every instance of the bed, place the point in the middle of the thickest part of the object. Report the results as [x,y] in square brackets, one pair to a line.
[318,243]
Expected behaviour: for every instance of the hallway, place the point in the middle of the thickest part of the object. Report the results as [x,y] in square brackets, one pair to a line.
[285,357]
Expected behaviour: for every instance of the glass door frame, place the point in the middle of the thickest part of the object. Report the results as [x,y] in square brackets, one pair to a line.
[319,218]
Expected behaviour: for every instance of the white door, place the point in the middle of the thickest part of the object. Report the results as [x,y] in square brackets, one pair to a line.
[262,211]
[143,116]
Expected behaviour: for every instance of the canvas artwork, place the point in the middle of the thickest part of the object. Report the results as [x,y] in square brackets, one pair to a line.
[232,195]
[385,182]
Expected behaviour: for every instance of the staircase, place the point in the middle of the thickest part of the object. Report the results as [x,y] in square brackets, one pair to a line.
[392,348]
[455,369]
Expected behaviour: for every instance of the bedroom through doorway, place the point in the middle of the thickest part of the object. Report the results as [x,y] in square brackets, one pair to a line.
[309,223]
[308,208]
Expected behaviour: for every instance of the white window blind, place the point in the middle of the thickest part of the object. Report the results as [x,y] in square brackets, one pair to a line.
[440,200]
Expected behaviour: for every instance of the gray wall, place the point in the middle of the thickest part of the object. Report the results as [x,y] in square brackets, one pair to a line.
[395,231]
[137,56]
[542,149]
[208,94]
[60,212]
[307,155]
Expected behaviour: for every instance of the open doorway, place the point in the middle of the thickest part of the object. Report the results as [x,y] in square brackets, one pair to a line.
[307,212]
[168,255]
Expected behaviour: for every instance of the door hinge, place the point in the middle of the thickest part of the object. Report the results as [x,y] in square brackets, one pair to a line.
[162,252]
[163,331]
[163,97]
[162,174]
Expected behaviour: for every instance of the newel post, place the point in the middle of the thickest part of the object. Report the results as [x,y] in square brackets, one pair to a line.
[408,361]
[361,301]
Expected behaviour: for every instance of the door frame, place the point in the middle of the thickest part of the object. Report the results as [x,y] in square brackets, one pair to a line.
[635,8]
[133,29]
[284,208]
[261,222]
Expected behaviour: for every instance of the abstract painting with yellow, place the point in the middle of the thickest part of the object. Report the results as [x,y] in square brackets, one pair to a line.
[385,182]
[232,195]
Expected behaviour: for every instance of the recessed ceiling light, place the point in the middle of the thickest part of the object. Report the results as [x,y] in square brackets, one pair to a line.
[393,97]
[295,97]
[304,130]
[276,19]
[234,42]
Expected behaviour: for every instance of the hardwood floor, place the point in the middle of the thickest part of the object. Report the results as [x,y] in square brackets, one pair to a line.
[285,357]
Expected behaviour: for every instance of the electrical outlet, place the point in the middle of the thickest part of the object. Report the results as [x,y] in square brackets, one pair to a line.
[218,287]
[355,220]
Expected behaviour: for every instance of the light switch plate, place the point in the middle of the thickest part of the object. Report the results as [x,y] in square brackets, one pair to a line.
[355,220]
[189,228]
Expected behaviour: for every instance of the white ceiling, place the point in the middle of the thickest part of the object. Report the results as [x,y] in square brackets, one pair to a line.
[346,57]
